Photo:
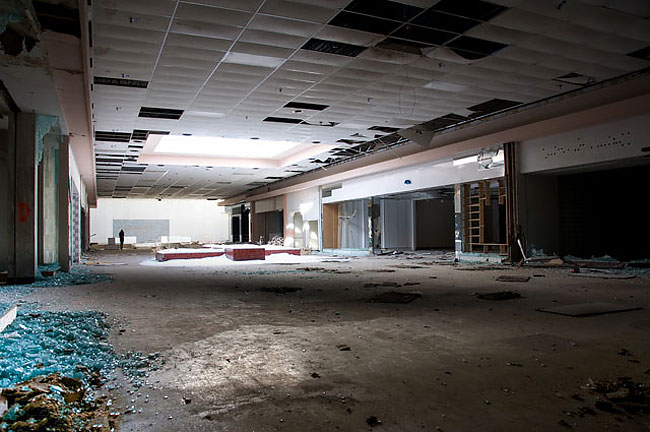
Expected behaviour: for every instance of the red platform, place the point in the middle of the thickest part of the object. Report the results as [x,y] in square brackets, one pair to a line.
[245,254]
[166,256]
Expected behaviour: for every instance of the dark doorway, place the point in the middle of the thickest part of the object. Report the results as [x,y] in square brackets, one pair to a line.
[236,237]
[245,226]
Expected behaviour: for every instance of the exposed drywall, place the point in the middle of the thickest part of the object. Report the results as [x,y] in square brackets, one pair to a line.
[424,176]
[606,142]
[434,224]
[397,223]
[201,220]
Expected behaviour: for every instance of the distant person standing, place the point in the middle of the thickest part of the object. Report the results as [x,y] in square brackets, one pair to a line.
[121,234]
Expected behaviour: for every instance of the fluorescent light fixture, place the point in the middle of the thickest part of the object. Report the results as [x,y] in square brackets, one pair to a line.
[466,160]
[223,147]
[499,157]
[445,86]
[252,60]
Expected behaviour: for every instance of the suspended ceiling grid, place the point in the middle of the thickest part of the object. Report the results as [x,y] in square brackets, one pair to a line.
[227,66]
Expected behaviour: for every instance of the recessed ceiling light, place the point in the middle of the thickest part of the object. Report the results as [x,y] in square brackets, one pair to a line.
[223,147]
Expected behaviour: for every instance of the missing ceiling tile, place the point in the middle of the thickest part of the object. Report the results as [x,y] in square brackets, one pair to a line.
[574,78]
[112,136]
[643,53]
[424,35]
[306,106]
[385,9]
[443,21]
[160,113]
[283,120]
[493,105]
[386,129]
[364,23]
[474,48]
[121,82]
[338,48]
[58,17]
[408,47]
[476,9]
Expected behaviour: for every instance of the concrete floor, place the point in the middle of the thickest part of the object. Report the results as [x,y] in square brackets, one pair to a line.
[447,361]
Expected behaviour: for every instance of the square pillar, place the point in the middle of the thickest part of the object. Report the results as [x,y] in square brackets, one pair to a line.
[25,186]
[64,205]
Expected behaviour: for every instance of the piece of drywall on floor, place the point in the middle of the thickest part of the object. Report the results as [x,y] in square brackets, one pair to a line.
[201,220]
[434,223]
[539,212]
[426,176]
[606,142]
[397,223]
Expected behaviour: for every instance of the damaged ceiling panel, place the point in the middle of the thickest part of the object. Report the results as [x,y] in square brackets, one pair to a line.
[349,74]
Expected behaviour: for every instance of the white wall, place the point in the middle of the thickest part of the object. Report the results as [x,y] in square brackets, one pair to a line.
[202,220]
[307,203]
[606,142]
[421,177]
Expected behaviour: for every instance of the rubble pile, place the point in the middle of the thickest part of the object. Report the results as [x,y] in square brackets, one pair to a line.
[622,394]
[50,403]
[52,366]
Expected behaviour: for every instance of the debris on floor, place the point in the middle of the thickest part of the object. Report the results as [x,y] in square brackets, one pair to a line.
[602,275]
[76,276]
[394,297]
[406,266]
[512,278]
[280,290]
[622,394]
[373,421]
[604,262]
[589,309]
[500,295]
[7,316]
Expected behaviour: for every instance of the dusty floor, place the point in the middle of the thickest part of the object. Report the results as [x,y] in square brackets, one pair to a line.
[251,360]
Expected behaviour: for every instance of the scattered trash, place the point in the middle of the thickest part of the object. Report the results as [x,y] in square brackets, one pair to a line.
[588,309]
[512,278]
[186,400]
[500,295]
[343,347]
[316,375]
[373,421]
[394,297]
